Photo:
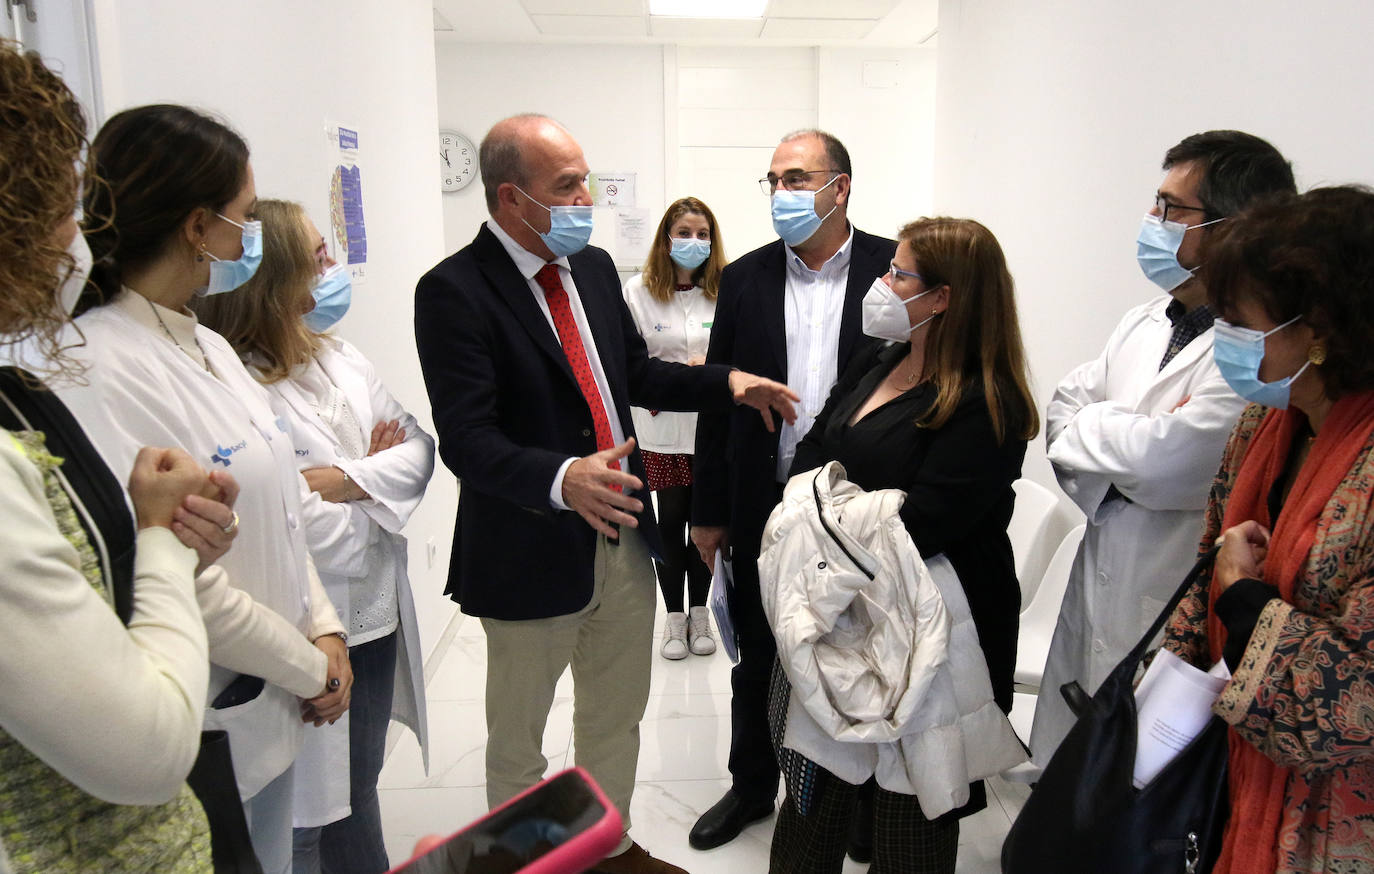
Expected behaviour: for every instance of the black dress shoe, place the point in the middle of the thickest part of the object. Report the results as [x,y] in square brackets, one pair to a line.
[723,822]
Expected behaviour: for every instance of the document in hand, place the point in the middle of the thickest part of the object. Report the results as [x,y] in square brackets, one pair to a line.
[722,580]
[1173,704]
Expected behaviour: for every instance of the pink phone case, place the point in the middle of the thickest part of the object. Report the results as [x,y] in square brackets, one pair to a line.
[577,853]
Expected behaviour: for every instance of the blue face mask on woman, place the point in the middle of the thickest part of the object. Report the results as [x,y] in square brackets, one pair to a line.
[1239,352]
[229,275]
[689,254]
[333,292]
[570,227]
[1156,250]
[794,214]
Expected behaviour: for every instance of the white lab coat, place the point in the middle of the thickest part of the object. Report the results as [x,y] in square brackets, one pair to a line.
[1116,420]
[678,331]
[347,542]
[142,390]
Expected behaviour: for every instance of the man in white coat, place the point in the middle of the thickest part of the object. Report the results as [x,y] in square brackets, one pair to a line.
[1136,435]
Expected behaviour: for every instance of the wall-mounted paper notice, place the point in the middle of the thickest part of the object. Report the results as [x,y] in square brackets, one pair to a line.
[612,189]
[1173,704]
[633,228]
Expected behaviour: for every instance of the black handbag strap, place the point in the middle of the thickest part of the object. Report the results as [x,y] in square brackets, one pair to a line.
[25,404]
[1201,566]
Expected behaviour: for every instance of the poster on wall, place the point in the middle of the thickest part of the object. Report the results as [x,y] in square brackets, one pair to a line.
[347,225]
[633,229]
[612,189]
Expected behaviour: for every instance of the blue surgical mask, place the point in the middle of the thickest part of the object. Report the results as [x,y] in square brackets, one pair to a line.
[570,227]
[229,275]
[690,254]
[333,292]
[1238,353]
[1156,250]
[794,214]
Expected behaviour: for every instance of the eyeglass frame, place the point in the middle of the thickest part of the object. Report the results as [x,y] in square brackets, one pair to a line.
[897,271]
[1163,204]
[769,184]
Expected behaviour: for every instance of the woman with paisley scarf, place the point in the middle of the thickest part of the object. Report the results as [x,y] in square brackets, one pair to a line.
[1290,605]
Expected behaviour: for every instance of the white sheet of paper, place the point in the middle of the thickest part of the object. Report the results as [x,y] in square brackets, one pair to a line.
[1173,704]
[721,580]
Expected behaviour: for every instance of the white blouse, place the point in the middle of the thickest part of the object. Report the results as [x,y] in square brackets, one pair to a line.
[677,330]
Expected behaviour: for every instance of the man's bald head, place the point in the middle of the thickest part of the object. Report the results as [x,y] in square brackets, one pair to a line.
[505,153]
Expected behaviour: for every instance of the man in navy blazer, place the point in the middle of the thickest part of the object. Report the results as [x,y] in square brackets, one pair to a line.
[532,361]
[790,310]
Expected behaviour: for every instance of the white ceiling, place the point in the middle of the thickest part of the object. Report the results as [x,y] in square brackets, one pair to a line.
[785,23]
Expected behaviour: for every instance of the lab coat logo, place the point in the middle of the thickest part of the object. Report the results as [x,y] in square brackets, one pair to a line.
[222,454]
[660,327]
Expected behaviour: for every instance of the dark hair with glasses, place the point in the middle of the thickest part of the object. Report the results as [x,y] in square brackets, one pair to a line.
[1237,170]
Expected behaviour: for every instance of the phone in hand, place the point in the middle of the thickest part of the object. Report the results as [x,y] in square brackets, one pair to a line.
[562,825]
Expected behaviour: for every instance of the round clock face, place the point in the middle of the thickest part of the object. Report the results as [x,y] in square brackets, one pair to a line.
[457,160]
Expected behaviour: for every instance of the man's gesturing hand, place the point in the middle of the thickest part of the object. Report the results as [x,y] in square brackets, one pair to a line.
[764,395]
[599,492]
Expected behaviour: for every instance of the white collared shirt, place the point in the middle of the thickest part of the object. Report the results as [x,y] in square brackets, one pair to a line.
[812,310]
[529,264]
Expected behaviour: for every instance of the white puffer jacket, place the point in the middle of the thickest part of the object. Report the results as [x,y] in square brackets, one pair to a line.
[879,646]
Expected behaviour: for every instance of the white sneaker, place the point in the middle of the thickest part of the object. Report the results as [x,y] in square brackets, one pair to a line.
[675,637]
[699,631]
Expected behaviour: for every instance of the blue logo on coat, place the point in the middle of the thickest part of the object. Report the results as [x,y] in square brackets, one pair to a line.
[222,454]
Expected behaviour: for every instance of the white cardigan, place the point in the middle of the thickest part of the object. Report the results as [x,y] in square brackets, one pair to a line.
[115,710]
[677,331]
[880,648]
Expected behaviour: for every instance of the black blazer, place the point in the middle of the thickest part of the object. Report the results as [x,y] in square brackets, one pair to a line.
[509,413]
[735,465]
[958,483]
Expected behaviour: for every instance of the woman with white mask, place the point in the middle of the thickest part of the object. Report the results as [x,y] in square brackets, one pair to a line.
[365,464]
[673,303]
[943,412]
[184,225]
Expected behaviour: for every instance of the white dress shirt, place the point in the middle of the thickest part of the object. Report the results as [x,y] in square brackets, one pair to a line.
[812,309]
[529,264]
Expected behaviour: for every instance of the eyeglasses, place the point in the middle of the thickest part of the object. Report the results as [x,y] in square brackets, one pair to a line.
[790,181]
[1163,205]
[897,271]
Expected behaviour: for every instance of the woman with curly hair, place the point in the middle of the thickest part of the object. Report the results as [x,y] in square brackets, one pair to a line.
[1290,604]
[104,663]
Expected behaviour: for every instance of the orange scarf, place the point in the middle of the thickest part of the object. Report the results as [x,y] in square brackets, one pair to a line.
[1258,786]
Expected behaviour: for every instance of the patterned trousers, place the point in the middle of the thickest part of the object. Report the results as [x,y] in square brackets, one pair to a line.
[812,830]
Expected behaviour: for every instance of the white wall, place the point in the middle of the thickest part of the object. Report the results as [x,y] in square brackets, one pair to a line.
[1052,120]
[609,97]
[277,71]
[704,120]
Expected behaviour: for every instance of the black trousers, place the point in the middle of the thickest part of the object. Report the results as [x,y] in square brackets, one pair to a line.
[812,831]
[680,557]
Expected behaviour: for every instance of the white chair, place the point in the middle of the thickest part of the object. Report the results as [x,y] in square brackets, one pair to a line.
[1040,616]
[1030,532]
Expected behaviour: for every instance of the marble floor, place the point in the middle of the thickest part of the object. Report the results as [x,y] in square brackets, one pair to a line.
[685,739]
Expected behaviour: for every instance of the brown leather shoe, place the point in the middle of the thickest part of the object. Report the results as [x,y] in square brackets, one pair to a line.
[635,860]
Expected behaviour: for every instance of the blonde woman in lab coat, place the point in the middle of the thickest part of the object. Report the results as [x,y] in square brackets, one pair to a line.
[184,224]
[366,463]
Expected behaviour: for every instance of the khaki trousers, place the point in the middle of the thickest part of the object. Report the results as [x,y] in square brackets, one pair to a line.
[609,644]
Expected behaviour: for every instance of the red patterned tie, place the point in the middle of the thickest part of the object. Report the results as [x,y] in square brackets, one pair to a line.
[563,321]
